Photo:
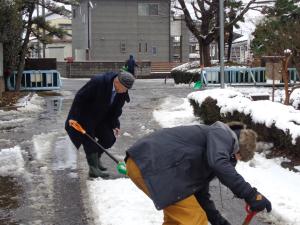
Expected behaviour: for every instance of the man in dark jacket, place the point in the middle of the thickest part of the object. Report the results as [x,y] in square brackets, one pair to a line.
[174,167]
[130,64]
[97,107]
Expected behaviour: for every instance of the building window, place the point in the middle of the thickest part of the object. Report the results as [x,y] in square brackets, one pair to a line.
[148,9]
[74,13]
[146,47]
[140,47]
[123,47]
[154,50]
[83,19]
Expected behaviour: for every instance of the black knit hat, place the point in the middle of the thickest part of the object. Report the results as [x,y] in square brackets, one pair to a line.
[126,79]
[247,140]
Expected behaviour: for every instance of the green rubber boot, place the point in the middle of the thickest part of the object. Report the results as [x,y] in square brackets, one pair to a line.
[94,170]
[100,164]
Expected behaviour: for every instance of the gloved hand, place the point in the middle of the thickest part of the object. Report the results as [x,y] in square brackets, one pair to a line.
[258,202]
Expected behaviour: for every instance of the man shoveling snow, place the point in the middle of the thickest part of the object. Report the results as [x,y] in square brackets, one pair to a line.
[174,167]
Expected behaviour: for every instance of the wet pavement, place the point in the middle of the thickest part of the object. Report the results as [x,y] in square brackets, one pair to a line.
[52,187]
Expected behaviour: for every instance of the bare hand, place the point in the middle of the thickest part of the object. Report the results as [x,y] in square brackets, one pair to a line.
[117,132]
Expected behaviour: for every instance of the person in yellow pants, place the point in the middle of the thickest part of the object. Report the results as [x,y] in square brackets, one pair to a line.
[174,166]
[187,211]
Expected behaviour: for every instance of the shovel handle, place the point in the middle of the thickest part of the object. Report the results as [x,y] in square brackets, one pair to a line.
[250,215]
[76,126]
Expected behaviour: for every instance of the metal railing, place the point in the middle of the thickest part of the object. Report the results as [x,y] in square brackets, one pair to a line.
[242,75]
[37,80]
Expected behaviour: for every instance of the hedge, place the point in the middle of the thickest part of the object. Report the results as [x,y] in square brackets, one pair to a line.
[184,77]
[209,112]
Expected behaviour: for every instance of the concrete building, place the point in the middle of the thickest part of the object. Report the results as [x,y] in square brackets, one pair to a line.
[240,50]
[59,48]
[111,30]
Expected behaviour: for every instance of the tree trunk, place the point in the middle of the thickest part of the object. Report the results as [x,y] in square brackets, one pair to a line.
[285,77]
[204,53]
[230,38]
[24,48]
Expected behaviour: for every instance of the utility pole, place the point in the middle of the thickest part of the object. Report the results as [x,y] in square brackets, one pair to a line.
[221,11]
[44,33]
[89,7]
[38,31]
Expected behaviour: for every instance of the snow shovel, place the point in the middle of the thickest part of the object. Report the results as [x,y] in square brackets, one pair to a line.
[198,85]
[250,215]
[121,166]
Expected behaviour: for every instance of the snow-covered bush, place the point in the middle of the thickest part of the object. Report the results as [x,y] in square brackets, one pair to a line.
[186,73]
[272,121]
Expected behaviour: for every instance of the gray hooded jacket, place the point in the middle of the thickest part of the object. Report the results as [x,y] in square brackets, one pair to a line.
[181,161]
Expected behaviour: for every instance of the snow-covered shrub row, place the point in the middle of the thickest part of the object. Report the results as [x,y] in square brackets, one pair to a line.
[186,73]
[272,121]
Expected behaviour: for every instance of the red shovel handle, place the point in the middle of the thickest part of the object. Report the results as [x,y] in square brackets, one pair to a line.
[250,215]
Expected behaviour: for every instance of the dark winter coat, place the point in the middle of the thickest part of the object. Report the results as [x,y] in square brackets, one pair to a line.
[130,63]
[94,112]
[181,161]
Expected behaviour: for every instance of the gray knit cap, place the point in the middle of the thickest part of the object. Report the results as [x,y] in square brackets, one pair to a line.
[126,79]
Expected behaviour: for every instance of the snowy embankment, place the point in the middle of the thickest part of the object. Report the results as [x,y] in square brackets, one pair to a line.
[280,185]
[118,201]
[265,112]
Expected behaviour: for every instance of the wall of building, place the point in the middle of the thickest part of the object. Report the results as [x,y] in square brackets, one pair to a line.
[60,51]
[185,41]
[79,28]
[2,87]
[89,68]
[116,22]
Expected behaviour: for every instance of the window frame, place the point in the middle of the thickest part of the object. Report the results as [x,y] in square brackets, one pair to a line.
[146,9]
[123,46]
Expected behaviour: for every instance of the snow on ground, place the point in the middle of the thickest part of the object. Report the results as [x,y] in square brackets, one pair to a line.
[178,111]
[118,201]
[279,185]
[25,108]
[12,162]
[42,143]
[11,159]
[30,104]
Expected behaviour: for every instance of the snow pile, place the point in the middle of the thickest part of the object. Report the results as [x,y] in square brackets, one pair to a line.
[279,185]
[279,94]
[187,66]
[173,113]
[295,99]
[119,201]
[265,112]
[31,104]
[27,107]
[12,162]
[42,145]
